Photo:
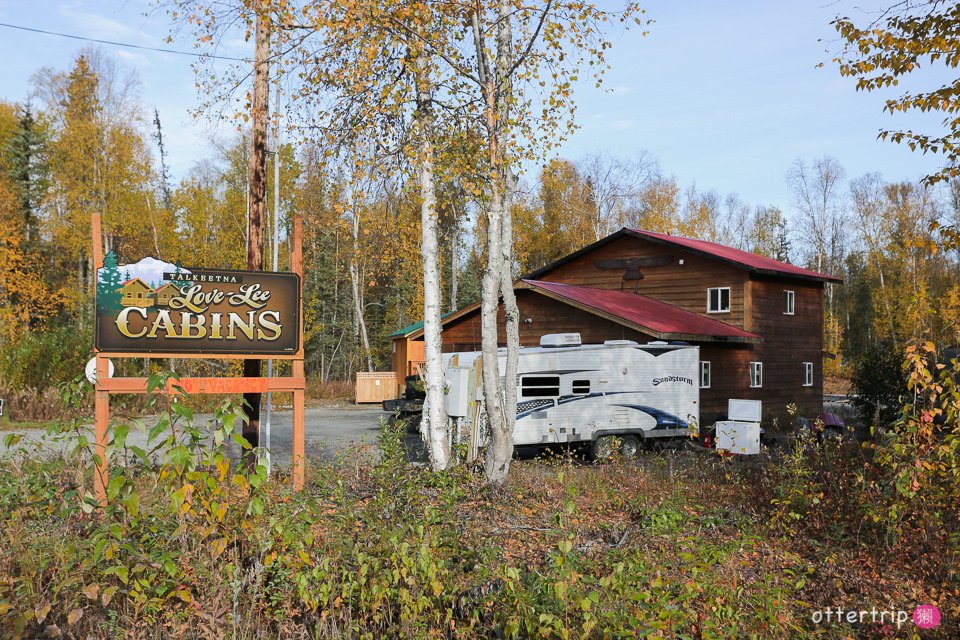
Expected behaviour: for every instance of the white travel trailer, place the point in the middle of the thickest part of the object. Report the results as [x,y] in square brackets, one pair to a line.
[568,392]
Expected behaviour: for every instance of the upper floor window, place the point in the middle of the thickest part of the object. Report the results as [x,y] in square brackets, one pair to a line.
[789,301]
[718,300]
[704,374]
[808,374]
[756,374]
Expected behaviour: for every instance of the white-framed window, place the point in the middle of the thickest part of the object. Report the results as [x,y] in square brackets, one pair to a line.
[718,300]
[580,387]
[704,374]
[756,374]
[808,374]
[789,302]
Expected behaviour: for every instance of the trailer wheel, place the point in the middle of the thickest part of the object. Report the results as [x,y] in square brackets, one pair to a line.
[602,448]
[413,423]
[629,446]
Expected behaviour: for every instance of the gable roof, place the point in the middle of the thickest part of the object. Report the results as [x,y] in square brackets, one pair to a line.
[646,314]
[415,327]
[132,281]
[744,259]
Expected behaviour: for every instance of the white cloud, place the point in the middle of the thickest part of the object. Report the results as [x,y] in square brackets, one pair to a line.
[97,26]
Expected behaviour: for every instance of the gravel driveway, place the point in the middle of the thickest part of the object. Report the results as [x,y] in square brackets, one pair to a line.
[329,430]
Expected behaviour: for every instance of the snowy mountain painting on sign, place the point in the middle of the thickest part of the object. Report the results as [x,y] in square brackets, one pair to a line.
[149,270]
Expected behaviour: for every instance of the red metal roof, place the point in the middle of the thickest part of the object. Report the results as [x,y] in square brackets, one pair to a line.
[749,260]
[655,315]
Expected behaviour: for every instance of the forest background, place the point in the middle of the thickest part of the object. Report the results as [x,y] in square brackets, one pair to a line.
[85,142]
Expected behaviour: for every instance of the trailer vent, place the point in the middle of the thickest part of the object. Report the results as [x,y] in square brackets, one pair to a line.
[560,340]
[613,343]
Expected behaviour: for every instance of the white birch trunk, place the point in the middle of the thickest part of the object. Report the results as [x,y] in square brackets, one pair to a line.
[355,282]
[434,424]
[500,251]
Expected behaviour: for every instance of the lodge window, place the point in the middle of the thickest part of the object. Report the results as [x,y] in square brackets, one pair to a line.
[704,374]
[540,387]
[789,300]
[718,300]
[808,374]
[581,387]
[756,374]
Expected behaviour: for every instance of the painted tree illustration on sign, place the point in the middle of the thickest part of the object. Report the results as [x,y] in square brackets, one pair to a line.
[109,281]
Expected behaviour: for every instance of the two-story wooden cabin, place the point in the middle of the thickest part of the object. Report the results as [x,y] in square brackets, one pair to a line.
[758,322]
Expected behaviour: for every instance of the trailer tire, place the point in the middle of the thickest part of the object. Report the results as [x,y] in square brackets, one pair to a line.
[604,447]
[601,448]
[413,423]
[629,446]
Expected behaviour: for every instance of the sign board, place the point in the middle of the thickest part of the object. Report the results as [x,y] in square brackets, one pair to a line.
[156,307]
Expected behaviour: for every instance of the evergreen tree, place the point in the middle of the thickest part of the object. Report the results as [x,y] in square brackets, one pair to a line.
[109,281]
[28,169]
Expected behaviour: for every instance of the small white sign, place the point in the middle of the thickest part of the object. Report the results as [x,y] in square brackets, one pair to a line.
[91,370]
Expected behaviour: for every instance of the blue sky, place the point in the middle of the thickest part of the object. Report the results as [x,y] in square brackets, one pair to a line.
[724,95]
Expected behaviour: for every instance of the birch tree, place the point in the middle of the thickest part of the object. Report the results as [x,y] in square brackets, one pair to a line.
[522,68]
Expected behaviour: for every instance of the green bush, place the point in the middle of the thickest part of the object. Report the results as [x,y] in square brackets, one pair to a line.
[45,358]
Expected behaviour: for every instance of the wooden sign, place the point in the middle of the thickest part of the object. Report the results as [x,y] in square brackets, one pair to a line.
[156,307]
[142,313]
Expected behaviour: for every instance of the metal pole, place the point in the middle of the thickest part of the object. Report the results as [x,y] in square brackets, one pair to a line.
[276,262]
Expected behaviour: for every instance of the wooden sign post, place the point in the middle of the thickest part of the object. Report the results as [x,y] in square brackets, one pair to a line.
[296,383]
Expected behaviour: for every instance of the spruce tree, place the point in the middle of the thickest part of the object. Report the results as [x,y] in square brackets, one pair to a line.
[28,170]
[109,281]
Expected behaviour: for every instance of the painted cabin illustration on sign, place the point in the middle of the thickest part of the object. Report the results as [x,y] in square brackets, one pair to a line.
[136,293]
[162,296]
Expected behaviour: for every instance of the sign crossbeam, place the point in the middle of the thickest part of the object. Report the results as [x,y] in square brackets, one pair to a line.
[202,308]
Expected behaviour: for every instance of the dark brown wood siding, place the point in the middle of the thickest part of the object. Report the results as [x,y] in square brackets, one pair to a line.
[788,342]
[684,285]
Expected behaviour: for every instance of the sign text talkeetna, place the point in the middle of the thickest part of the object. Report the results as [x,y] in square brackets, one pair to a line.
[157,307]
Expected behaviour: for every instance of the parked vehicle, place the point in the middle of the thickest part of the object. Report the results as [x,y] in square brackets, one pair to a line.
[617,393]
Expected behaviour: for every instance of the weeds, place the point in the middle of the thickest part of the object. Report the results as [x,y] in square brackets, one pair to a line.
[193,545]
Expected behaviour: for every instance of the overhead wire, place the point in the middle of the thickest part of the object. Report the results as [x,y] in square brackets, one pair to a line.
[129,45]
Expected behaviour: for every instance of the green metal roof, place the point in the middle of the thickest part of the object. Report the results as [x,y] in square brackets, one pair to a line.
[410,328]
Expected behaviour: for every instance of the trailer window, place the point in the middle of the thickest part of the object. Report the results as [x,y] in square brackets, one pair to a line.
[581,387]
[540,387]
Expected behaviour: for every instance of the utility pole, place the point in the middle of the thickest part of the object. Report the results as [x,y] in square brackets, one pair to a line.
[258,193]
[276,254]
